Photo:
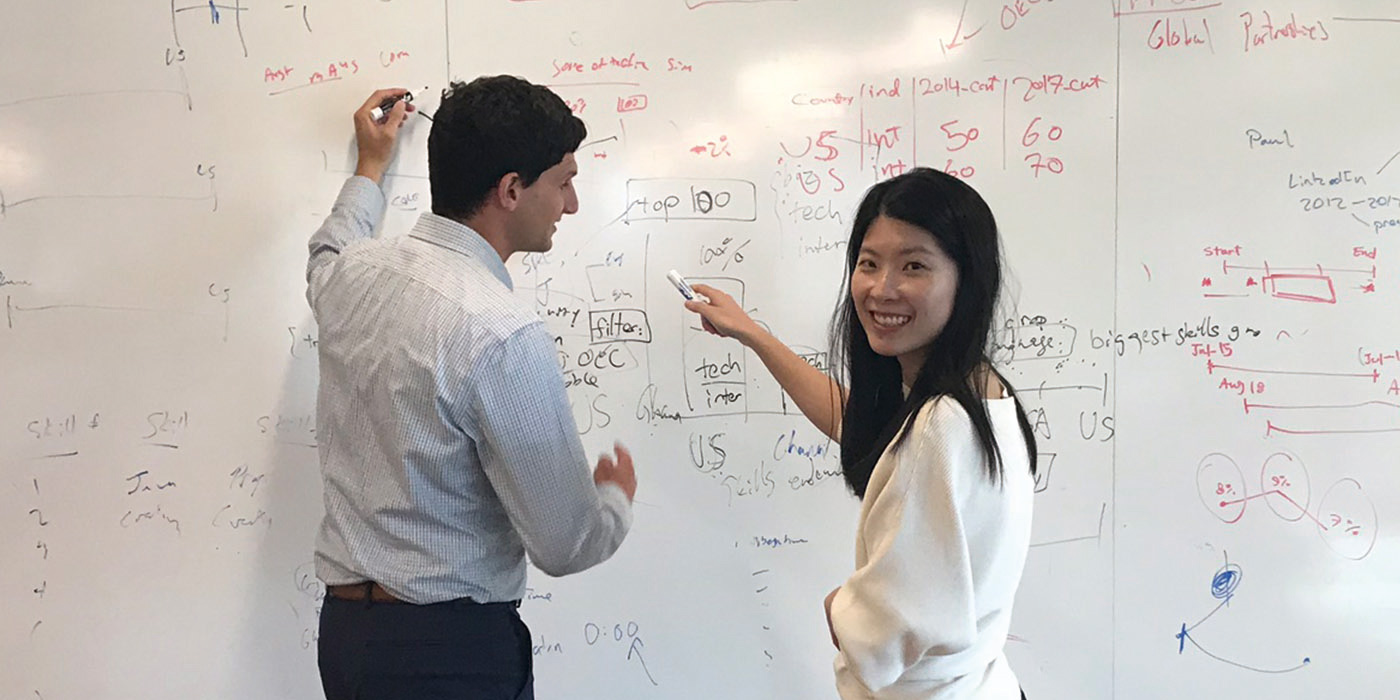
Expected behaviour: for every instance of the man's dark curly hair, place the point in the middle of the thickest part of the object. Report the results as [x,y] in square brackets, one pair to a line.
[488,128]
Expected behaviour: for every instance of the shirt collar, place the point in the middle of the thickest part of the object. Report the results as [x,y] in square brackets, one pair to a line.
[449,234]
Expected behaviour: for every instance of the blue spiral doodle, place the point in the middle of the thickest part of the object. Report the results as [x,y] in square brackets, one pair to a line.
[1226,580]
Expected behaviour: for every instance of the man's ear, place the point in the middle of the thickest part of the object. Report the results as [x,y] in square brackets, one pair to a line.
[508,192]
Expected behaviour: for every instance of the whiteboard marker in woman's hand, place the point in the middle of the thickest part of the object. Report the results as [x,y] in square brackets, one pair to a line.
[681,285]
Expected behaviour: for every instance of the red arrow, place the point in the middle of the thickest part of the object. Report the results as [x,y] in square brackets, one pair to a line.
[958,37]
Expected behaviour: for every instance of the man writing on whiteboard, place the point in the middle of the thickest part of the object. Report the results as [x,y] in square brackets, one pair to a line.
[448,449]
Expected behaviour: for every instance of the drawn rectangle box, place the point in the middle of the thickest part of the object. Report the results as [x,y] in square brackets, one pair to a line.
[715,369]
[1317,289]
[618,325]
[607,283]
[683,199]
[815,358]
[1045,461]
[1042,341]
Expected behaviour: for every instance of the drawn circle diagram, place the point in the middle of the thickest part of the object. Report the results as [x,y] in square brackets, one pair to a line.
[1347,520]
[1220,483]
[1285,485]
[1346,517]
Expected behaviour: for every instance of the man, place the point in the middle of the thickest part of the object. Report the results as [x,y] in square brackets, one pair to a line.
[448,448]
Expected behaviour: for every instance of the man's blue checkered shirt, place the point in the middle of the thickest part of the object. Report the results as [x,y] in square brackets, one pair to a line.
[448,448]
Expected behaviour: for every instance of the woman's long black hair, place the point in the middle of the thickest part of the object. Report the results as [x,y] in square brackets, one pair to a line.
[876,409]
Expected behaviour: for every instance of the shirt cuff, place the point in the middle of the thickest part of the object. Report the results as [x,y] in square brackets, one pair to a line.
[615,501]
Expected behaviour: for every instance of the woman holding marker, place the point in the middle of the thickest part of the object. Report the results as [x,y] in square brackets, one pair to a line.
[932,439]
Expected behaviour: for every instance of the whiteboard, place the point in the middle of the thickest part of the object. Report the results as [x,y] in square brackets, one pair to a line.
[1200,204]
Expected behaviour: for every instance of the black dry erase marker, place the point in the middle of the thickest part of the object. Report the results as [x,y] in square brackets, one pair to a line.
[378,113]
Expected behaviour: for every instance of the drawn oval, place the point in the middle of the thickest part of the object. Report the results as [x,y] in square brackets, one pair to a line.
[1284,482]
[1220,484]
[1346,519]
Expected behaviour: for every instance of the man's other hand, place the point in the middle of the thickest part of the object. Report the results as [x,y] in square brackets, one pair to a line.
[619,472]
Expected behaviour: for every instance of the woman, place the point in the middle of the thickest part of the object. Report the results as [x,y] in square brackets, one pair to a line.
[932,440]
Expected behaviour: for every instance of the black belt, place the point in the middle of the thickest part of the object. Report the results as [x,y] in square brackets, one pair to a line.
[368,590]
[375,593]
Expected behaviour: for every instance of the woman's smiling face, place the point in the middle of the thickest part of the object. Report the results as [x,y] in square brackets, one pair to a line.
[903,287]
